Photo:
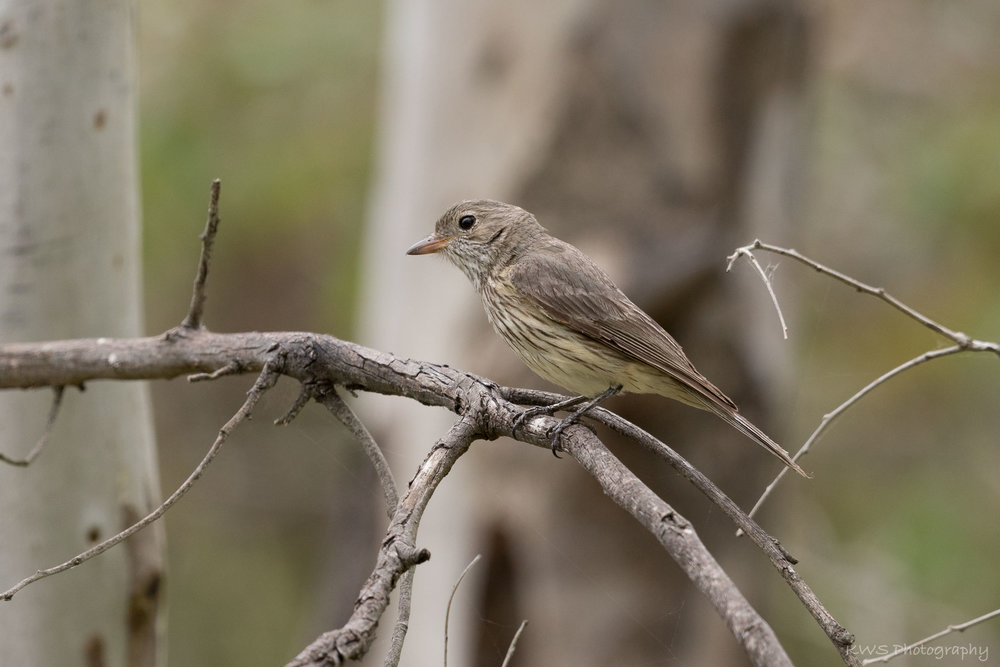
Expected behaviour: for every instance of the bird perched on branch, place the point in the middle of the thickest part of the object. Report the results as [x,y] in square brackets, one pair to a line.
[565,318]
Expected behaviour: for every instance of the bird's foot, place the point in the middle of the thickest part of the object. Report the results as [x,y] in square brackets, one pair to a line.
[558,429]
[531,413]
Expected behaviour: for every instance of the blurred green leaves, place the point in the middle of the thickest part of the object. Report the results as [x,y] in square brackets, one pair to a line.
[278,101]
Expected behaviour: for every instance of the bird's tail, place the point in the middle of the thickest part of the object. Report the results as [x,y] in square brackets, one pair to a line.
[744,426]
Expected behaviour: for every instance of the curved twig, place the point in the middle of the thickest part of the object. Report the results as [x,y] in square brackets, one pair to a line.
[513,643]
[57,396]
[829,417]
[963,343]
[958,627]
[878,292]
[746,252]
[268,376]
[397,555]
[335,403]
[402,625]
[447,609]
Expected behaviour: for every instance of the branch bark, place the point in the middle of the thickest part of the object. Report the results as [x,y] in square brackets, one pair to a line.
[322,362]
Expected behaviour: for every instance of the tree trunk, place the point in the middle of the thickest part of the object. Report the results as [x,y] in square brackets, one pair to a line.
[70,247]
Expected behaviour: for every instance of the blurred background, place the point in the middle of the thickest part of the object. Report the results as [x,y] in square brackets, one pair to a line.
[657,137]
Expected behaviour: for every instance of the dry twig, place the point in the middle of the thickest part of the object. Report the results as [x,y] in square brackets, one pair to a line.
[447,610]
[266,379]
[321,363]
[746,252]
[335,403]
[316,359]
[960,627]
[57,396]
[513,644]
[397,555]
[193,320]
[963,343]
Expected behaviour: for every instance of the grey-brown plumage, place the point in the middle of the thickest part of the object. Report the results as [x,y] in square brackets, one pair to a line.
[565,318]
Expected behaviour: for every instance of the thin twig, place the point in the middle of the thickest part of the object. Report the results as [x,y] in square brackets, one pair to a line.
[397,555]
[402,624]
[232,368]
[265,381]
[829,417]
[331,399]
[447,610]
[336,404]
[57,395]
[680,540]
[960,627]
[771,545]
[197,308]
[745,252]
[343,412]
[305,395]
[780,558]
[957,337]
[963,343]
[513,643]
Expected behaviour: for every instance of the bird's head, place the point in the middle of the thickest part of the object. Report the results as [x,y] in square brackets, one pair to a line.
[480,236]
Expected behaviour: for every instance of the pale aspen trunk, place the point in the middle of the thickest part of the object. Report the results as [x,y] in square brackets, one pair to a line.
[70,267]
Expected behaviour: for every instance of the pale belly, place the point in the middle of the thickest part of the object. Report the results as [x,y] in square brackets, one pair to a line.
[580,364]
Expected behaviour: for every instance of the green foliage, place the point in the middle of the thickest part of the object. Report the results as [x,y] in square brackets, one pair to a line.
[278,101]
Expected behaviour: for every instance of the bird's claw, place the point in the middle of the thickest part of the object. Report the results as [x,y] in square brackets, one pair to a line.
[550,410]
[530,413]
[557,433]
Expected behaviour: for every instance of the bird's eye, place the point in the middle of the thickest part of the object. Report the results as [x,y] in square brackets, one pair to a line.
[466,222]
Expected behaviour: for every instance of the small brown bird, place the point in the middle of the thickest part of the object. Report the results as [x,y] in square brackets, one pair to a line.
[566,319]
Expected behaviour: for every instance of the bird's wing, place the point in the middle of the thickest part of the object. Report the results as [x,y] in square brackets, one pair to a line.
[574,291]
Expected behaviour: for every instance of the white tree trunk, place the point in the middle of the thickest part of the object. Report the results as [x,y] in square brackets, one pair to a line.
[70,267]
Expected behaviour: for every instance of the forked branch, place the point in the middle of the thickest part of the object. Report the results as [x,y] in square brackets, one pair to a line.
[485,411]
[962,342]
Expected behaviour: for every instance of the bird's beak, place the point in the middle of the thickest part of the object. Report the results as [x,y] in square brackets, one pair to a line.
[428,245]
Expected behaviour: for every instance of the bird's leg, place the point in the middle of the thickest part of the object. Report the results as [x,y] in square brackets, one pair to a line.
[573,418]
[532,412]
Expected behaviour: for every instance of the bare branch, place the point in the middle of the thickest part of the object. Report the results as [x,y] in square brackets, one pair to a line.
[305,395]
[447,609]
[265,381]
[963,343]
[402,620]
[197,308]
[771,546]
[679,539]
[779,556]
[513,643]
[745,251]
[232,368]
[314,360]
[840,409]
[335,403]
[397,555]
[960,627]
[57,395]
[957,337]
